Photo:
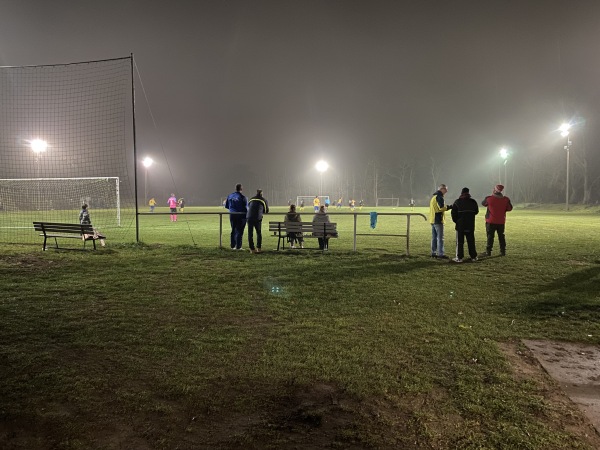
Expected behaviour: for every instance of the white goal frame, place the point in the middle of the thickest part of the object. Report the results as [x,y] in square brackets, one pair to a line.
[115,179]
[393,199]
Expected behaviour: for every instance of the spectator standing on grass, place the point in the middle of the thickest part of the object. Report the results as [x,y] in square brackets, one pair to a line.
[495,218]
[464,210]
[85,219]
[320,218]
[237,203]
[293,216]
[257,206]
[437,208]
[172,202]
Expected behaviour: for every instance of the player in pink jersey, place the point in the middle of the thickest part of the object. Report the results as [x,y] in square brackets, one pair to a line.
[172,202]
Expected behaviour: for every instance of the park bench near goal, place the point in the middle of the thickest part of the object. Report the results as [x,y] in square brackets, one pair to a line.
[281,230]
[83,232]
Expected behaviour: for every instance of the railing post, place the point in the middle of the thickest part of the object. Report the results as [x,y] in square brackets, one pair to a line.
[407,235]
[354,232]
[220,230]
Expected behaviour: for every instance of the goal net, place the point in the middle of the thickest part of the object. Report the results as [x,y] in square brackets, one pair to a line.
[66,138]
[389,201]
[308,200]
[24,200]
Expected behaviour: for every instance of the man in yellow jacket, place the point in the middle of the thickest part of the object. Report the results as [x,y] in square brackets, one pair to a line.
[437,209]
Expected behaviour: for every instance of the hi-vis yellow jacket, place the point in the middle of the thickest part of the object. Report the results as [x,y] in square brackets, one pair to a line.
[437,208]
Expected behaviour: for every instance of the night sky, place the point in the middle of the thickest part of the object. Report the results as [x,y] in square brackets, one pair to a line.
[241,90]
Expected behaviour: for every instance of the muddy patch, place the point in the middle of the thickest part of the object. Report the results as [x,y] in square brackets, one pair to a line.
[576,367]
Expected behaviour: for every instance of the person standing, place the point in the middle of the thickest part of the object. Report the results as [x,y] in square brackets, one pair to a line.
[464,210]
[319,218]
[495,218]
[316,203]
[181,203]
[437,208]
[172,202]
[257,206]
[152,204]
[237,204]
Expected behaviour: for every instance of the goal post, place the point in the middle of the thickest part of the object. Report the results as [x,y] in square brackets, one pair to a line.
[308,200]
[388,201]
[60,200]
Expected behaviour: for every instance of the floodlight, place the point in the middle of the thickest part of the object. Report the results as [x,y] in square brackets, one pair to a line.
[564,129]
[503,153]
[147,162]
[38,145]
[322,166]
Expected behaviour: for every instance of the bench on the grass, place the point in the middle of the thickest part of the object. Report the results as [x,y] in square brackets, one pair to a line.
[282,230]
[84,232]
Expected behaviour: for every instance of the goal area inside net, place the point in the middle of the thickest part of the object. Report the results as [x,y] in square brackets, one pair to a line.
[66,138]
[308,200]
[388,201]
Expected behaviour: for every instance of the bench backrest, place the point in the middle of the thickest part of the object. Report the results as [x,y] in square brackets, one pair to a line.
[68,228]
[303,227]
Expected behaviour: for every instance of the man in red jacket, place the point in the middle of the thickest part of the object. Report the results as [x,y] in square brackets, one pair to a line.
[495,218]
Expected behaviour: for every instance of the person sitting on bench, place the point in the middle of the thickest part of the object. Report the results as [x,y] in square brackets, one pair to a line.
[293,216]
[84,219]
[321,217]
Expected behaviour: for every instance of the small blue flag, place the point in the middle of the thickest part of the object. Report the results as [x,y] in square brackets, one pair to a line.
[373,219]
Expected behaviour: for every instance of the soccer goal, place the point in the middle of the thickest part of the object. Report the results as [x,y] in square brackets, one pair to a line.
[308,200]
[24,200]
[389,201]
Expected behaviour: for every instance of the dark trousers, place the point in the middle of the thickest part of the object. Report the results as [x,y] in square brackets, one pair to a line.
[238,223]
[254,224]
[323,243]
[491,229]
[460,244]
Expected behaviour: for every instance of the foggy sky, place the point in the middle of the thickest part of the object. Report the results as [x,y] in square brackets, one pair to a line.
[239,89]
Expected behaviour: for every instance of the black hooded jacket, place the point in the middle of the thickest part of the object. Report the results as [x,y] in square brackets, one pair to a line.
[257,205]
[463,213]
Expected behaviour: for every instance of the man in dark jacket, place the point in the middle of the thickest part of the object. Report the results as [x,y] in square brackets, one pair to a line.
[495,218]
[463,214]
[237,204]
[257,206]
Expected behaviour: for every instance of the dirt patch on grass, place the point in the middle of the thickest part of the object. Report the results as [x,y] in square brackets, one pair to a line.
[562,412]
[26,261]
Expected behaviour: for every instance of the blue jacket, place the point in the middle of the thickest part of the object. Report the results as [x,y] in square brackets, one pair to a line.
[237,202]
[257,205]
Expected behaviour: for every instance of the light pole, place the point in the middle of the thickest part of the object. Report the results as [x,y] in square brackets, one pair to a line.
[504,155]
[564,132]
[147,162]
[321,166]
[38,146]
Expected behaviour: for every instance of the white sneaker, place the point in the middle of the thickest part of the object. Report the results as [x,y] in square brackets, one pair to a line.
[457,260]
[301,245]
[291,246]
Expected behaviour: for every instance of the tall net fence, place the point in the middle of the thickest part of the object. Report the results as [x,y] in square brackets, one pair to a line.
[66,139]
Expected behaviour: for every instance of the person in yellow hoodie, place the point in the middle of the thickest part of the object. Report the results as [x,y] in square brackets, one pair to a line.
[437,209]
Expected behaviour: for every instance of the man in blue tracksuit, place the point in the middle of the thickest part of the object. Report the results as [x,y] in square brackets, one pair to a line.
[237,203]
[257,206]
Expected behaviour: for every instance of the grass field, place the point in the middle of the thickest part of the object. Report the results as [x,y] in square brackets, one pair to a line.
[167,344]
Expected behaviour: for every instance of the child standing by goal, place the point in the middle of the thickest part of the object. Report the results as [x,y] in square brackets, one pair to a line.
[172,202]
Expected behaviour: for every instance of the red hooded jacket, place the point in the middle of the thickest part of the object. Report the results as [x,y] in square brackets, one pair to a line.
[497,206]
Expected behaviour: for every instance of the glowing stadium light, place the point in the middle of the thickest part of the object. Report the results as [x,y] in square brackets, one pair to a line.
[322,166]
[564,129]
[38,146]
[503,153]
[147,162]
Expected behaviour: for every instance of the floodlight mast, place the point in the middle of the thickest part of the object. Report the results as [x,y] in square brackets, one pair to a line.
[321,166]
[147,162]
[564,132]
[504,154]
[38,146]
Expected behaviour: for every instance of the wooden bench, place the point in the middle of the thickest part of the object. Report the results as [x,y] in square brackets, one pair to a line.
[308,229]
[67,231]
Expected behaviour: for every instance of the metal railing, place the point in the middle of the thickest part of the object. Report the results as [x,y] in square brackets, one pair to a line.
[355,214]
